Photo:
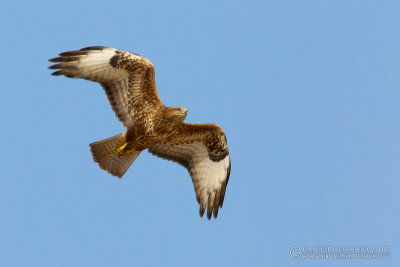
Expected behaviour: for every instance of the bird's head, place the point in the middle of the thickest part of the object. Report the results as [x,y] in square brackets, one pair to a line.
[177,113]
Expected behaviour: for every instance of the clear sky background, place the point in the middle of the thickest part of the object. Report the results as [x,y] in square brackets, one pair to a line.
[306,91]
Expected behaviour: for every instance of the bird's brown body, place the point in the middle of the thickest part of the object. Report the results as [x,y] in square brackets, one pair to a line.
[163,126]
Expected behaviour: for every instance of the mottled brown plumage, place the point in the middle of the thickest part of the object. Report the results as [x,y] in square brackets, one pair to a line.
[129,82]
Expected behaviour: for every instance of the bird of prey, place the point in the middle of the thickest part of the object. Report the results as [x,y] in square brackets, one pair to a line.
[129,82]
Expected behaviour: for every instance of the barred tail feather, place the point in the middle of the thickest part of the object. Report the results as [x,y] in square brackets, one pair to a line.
[104,153]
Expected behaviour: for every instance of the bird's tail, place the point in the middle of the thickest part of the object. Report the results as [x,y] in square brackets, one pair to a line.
[105,153]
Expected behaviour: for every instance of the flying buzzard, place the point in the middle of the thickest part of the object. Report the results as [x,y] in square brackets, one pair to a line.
[129,82]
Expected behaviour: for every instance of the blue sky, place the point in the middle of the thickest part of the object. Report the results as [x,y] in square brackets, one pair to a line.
[306,91]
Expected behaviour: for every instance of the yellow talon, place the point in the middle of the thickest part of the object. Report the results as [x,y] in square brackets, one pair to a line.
[120,150]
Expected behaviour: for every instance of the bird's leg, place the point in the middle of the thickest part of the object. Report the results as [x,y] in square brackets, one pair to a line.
[130,145]
[126,149]
[121,150]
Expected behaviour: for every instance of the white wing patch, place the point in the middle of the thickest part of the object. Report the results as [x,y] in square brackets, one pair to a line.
[93,63]
[88,64]
[209,178]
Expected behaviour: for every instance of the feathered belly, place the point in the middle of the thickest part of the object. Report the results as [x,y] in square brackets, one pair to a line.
[145,141]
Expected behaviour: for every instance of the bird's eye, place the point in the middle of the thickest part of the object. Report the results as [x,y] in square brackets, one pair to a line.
[177,109]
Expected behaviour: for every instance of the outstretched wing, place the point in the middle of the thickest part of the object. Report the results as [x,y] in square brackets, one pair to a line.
[203,151]
[127,78]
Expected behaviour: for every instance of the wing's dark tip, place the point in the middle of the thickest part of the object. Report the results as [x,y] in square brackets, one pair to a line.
[209,210]
[216,213]
[57,73]
[93,48]
[221,201]
[216,207]
[201,212]
[63,65]
[55,66]
[73,53]
[65,59]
